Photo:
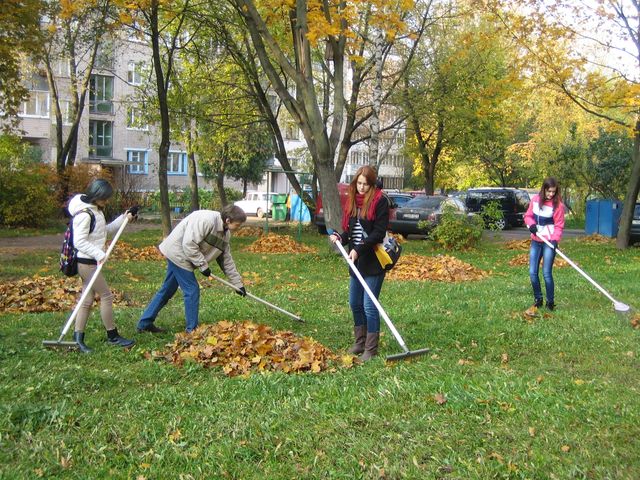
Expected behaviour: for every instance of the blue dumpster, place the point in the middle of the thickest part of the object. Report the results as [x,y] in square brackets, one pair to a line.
[603,217]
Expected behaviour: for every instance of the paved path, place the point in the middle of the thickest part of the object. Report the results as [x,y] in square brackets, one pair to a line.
[53,242]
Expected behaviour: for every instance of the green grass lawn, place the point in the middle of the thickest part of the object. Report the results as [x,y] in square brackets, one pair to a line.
[555,398]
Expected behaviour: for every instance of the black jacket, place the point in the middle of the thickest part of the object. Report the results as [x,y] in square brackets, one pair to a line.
[367,262]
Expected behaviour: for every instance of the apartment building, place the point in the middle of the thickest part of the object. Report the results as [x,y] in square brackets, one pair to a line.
[113,133]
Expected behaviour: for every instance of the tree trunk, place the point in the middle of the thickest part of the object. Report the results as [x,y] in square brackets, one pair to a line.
[374,143]
[193,174]
[626,217]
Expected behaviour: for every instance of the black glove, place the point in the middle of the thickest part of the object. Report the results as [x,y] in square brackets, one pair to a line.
[533,229]
[206,272]
[555,245]
[133,210]
[242,292]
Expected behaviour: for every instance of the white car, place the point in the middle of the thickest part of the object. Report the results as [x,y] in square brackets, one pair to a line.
[256,203]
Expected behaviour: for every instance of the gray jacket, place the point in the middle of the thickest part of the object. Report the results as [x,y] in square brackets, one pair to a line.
[199,238]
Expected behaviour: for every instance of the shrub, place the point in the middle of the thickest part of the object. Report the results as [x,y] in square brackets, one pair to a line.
[492,213]
[457,232]
[26,186]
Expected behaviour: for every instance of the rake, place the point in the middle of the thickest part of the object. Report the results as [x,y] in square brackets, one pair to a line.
[406,352]
[258,299]
[618,306]
[73,345]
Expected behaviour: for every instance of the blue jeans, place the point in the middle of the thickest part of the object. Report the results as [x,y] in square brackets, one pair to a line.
[363,309]
[540,251]
[176,277]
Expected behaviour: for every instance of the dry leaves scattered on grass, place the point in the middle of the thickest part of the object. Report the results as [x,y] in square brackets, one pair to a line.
[523,259]
[635,320]
[518,244]
[46,294]
[274,243]
[595,238]
[248,232]
[126,252]
[243,348]
[443,268]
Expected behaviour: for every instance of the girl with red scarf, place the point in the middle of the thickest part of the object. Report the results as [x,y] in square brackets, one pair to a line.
[364,224]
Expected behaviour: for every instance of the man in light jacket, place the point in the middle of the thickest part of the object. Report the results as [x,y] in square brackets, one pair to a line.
[199,238]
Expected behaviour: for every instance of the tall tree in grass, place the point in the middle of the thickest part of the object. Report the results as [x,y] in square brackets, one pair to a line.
[162,23]
[304,47]
[19,42]
[75,35]
[591,53]
[454,92]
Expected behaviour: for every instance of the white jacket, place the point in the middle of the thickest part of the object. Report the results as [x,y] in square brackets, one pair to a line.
[188,248]
[91,245]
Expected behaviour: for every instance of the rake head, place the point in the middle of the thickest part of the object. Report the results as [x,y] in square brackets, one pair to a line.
[407,354]
[59,345]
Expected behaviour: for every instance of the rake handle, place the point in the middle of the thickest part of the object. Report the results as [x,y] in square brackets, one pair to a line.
[578,269]
[257,299]
[86,291]
[373,298]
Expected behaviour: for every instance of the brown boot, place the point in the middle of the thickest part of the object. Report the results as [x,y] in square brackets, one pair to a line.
[359,333]
[370,347]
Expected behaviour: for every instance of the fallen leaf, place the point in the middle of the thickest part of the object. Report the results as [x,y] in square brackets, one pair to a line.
[440,398]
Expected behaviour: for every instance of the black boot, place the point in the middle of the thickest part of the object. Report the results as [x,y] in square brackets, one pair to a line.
[537,303]
[78,337]
[551,306]
[114,338]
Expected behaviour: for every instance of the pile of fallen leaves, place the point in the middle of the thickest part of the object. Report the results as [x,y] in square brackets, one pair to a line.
[243,348]
[443,268]
[595,239]
[273,243]
[248,232]
[518,245]
[127,252]
[46,294]
[523,259]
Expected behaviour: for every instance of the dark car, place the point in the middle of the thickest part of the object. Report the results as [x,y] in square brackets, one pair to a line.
[423,208]
[398,199]
[513,203]
[635,225]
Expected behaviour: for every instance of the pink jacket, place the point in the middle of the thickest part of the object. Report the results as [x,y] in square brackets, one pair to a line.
[550,221]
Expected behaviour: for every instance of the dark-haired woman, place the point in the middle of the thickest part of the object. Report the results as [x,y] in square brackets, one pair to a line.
[90,231]
[364,223]
[545,219]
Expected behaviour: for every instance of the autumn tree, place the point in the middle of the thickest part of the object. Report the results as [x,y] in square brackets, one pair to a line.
[590,52]
[306,49]
[19,43]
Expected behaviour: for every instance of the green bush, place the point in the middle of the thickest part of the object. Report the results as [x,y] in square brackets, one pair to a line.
[457,232]
[492,213]
[27,192]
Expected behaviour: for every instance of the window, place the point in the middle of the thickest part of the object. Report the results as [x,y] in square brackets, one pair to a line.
[101,94]
[135,120]
[36,106]
[138,161]
[62,67]
[134,73]
[65,110]
[177,163]
[100,138]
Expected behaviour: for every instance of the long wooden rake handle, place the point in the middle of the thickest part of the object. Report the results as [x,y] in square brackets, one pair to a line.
[86,291]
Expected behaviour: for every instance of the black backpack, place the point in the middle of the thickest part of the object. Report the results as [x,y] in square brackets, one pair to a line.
[68,253]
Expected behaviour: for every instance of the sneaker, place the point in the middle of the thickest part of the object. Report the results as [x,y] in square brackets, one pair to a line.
[151,329]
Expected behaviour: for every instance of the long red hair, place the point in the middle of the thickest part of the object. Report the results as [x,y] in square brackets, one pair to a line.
[371,198]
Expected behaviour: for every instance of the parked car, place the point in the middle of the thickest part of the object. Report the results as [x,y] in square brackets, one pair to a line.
[256,203]
[635,225]
[398,199]
[424,209]
[513,203]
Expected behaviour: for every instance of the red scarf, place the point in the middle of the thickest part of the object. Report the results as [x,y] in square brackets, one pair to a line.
[371,213]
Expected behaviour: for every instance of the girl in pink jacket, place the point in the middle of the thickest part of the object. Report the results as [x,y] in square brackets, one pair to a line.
[544,218]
